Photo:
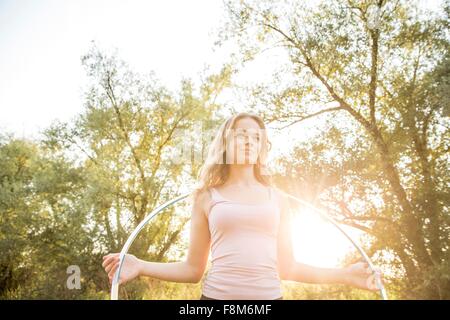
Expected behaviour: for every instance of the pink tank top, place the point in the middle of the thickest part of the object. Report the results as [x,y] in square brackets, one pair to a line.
[243,250]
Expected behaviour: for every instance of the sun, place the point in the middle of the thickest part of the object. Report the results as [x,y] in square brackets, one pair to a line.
[317,242]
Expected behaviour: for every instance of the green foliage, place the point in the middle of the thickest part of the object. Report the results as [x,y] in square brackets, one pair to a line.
[376,74]
[77,194]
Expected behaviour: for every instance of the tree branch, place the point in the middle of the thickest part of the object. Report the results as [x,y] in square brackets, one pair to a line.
[374,35]
[301,118]
[110,93]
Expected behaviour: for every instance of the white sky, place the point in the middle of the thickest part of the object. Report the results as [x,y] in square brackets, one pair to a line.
[41,43]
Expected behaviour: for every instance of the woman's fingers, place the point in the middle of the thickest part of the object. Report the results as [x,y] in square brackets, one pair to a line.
[113,271]
[372,280]
[366,277]
[110,263]
[112,274]
[109,267]
[363,268]
[107,259]
[108,256]
[379,275]
[111,255]
[370,283]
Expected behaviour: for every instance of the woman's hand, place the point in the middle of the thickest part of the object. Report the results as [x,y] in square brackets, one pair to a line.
[361,276]
[130,267]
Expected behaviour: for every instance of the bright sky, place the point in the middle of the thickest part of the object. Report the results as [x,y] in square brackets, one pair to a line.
[41,43]
[41,77]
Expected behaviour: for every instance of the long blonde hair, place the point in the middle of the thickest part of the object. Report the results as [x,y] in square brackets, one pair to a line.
[215,170]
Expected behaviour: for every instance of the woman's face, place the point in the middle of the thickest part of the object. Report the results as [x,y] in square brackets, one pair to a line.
[245,142]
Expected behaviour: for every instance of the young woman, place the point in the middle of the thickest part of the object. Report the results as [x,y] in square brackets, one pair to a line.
[245,222]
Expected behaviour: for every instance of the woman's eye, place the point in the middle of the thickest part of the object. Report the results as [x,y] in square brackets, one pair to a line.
[246,136]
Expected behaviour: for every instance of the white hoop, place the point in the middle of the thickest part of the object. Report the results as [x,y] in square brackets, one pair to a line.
[132,237]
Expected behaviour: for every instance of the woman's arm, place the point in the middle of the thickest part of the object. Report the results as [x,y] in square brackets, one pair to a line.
[189,271]
[301,272]
[358,275]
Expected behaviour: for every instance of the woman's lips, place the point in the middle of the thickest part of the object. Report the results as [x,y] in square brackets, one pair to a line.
[248,150]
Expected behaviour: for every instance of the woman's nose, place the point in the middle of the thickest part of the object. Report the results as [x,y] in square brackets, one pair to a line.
[251,141]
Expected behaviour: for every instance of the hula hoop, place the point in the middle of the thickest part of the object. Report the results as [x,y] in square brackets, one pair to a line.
[149,217]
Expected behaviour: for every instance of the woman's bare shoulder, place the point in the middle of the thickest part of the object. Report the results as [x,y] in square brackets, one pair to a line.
[203,199]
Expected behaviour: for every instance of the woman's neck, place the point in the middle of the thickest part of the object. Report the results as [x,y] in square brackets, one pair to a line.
[241,174]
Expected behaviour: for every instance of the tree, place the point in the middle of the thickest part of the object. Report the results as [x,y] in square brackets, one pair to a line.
[126,134]
[380,67]
[76,194]
[43,229]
